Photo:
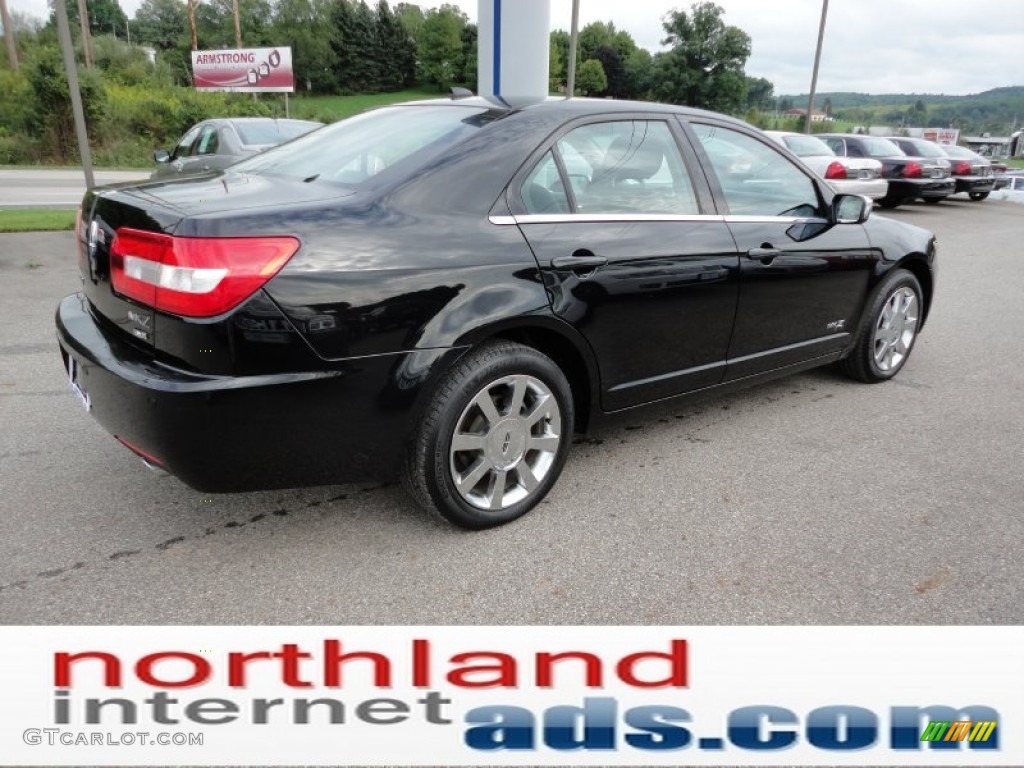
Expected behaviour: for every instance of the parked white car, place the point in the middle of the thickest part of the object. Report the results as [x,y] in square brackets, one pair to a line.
[852,175]
[1014,191]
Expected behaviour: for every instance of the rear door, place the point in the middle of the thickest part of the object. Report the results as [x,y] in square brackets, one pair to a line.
[632,255]
[802,280]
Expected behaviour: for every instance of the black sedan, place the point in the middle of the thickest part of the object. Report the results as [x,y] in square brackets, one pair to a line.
[448,290]
[215,144]
[973,173]
[910,176]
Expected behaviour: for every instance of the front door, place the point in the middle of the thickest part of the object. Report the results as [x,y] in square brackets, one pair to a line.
[803,280]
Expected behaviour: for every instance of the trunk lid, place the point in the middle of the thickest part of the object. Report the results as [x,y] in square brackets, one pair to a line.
[187,206]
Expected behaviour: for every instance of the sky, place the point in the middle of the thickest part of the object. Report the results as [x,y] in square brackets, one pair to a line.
[871,46]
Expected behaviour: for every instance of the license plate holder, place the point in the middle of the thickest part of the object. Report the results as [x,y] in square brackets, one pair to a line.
[81,394]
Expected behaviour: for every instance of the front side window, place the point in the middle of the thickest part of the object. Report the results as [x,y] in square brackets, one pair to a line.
[182,149]
[207,144]
[756,179]
[629,166]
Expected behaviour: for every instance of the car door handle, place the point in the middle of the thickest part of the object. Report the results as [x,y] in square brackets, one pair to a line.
[764,253]
[581,259]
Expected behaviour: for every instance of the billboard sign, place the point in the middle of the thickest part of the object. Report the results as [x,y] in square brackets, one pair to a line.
[948,136]
[254,70]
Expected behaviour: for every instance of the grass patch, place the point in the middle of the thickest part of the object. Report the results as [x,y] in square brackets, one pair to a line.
[1015,162]
[35,220]
[331,108]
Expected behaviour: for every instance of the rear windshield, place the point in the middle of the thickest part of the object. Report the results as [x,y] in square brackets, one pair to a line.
[927,149]
[959,152]
[355,150]
[270,131]
[808,146]
[880,147]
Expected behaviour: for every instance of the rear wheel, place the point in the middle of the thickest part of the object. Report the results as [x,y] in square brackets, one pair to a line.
[494,438]
[889,202]
[887,330]
[977,196]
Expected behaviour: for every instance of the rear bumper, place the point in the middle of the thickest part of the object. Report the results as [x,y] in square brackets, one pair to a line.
[221,433]
[975,183]
[873,188]
[925,188]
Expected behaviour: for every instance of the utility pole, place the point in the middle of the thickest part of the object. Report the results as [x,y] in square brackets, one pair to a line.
[574,33]
[83,18]
[238,26]
[192,24]
[64,33]
[12,49]
[817,60]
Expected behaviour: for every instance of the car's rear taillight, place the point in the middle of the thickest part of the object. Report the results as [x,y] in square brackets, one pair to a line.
[912,170]
[962,168]
[835,170]
[79,237]
[194,276]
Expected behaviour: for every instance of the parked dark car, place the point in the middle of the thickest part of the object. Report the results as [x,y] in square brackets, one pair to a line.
[973,173]
[447,290]
[215,144]
[909,176]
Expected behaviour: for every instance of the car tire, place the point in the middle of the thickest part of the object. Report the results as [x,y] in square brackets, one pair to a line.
[888,329]
[977,196]
[889,202]
[934,200]
[493,437]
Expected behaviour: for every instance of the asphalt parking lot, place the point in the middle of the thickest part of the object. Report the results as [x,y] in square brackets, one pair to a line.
[809,500]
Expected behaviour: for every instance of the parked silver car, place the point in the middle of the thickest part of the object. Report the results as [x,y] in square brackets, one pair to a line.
[852,175]
[218,143]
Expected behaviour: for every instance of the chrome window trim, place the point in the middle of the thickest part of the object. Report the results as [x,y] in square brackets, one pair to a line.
[612,218]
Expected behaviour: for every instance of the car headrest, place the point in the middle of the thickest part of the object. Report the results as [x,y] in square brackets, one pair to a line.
[637,158]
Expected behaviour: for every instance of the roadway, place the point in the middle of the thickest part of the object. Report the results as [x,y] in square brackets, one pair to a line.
[53,187]
[810,500]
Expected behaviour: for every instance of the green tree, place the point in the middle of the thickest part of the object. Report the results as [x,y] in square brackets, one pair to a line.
[640,73]
[161,23]
[704,65]
[468,76]
[558,54]
[760,93]
[411,17]
[440,46]
[302,24]
[105,18]
[52,119]
[591,80]
[614,68]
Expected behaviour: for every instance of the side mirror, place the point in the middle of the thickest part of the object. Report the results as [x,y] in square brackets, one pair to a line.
[851,209]
[161,156]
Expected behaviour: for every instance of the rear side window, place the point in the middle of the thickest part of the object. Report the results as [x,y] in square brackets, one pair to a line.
[629,166]
[836,145]
[356,150]
[543,191]
[756,180]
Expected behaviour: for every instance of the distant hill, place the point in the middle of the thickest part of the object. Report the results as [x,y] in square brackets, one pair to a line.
[995,111]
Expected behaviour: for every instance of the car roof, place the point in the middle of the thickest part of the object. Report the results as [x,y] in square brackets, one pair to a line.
[575,107]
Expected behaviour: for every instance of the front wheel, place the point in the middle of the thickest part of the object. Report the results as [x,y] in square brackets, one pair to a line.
[977,196]
[493,439]
[888,329]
